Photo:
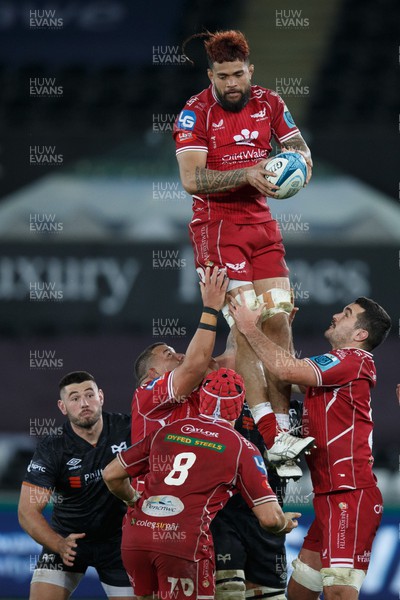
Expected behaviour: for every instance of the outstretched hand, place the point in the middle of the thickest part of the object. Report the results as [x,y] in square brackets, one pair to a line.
[213,287]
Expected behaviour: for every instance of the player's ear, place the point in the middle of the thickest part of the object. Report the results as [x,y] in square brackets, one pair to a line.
[210,75]
[101,396]
[152,373]
[360,335]
[61,406]
[251,70]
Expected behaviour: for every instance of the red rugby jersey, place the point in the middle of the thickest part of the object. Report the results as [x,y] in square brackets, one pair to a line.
[193,467]
[337,412]
[233,141]
[154,405]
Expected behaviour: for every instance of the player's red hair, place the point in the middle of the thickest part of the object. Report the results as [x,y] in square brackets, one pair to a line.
[227,46]
[222,46]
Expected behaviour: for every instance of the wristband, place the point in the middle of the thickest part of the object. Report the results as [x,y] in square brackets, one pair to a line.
[210,311]
[208,319]
[207,326]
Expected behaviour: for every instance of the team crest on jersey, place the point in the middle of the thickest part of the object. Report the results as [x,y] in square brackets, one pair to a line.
[261,115]
[238,267]
[325,361]
[115,448]
[245,137]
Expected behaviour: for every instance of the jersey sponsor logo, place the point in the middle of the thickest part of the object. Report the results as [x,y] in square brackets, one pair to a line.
[245,137]
[75,482]
[260,465]
[93,476]
[325,361]
[187,120]
[365,557]
[186,136]
[218,125]
[378,509]
[36,467]
[238,267]
[74,463]
[115,448]
[224,557]
[289,119]
[162,506]
[193,429]
[190,441]
[245,155]
[343,505]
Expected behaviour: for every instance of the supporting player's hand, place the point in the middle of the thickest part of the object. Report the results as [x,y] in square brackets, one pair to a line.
[245,318]
[213,287]
[255,176]
[66,548]
[291,521]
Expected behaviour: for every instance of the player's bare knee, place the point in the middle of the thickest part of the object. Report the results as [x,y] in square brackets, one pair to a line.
[230,585]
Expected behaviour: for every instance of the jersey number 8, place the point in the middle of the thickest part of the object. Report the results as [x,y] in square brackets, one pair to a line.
[180,467]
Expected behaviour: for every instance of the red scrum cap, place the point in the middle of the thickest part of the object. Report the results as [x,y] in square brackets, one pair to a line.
[222,394]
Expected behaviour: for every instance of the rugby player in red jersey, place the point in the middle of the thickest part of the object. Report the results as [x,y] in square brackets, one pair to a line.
[337,412]
[192,467]
[168,380]
[223,141]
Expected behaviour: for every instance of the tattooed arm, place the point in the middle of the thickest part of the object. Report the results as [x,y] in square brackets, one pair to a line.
[297,144]
[197,179]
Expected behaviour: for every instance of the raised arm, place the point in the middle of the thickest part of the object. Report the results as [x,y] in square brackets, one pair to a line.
[188,375]
[280,363]
[197,179]
[32,502]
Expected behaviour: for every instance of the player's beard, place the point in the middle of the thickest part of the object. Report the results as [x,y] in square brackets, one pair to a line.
[86,422]
[233,106]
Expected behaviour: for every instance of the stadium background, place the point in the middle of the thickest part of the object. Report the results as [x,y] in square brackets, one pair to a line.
[95,261]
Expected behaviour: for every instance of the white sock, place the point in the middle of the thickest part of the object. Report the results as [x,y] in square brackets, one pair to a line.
[283,421]
[260,410]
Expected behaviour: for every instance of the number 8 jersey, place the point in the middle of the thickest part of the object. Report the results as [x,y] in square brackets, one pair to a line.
[193,467]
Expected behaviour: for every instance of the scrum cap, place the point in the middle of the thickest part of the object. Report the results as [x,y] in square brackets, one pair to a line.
[222,394]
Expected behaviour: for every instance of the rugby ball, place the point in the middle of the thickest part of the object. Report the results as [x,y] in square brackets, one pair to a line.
[291,172]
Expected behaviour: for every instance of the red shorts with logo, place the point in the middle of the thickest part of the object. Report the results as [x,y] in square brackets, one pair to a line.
[169,577]
[344,527]
[250,252]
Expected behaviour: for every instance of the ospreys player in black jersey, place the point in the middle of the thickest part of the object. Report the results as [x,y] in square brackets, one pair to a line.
[85,527]
[250,562]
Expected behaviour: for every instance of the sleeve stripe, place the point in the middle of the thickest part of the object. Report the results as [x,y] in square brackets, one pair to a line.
[192,149]
[289,135]
[265,500]
[121,461]
[316,370]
